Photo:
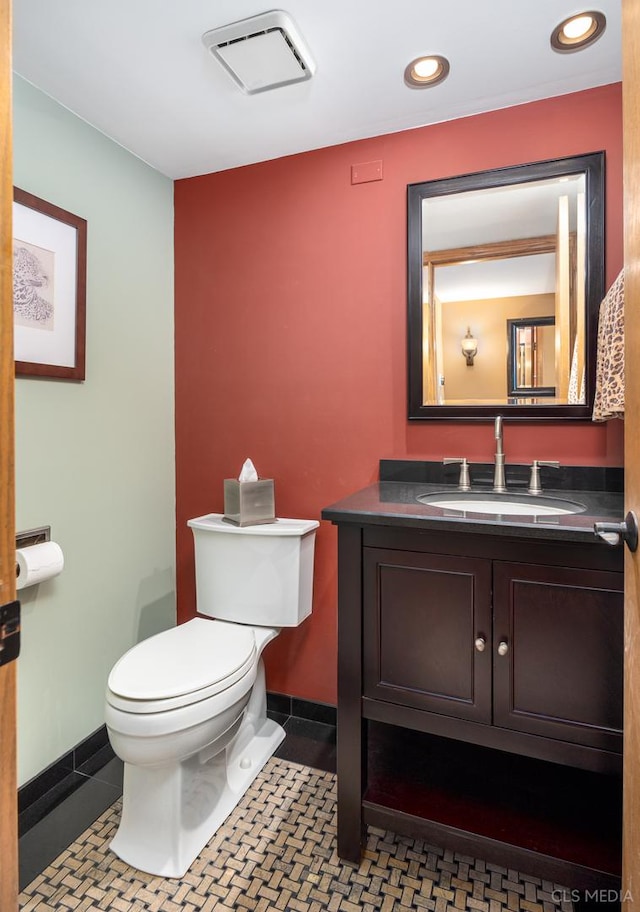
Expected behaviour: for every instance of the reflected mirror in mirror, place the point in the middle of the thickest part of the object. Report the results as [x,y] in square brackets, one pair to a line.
[531,367]
[506,272]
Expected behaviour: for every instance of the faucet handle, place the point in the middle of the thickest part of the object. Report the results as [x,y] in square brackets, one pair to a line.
[464,483]
[534,480]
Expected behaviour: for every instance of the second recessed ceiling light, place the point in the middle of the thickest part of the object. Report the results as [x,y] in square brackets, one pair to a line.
[426,71]
[578,32]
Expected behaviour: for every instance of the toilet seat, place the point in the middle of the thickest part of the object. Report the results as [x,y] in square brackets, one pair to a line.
[182,666]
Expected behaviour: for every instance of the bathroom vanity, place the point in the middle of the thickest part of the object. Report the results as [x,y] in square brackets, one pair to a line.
[480,675]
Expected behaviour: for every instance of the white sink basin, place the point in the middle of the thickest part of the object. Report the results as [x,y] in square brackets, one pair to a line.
[501,504]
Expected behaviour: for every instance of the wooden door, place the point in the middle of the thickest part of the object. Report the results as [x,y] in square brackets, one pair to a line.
[547,681]
[427,632]
[8,800]
[631,127]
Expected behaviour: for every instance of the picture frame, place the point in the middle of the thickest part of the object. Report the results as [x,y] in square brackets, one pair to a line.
[49,289]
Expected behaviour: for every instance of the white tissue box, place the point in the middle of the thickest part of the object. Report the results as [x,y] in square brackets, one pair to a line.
[249,503]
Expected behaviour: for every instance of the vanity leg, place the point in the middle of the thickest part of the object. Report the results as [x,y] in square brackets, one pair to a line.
[352,769]
[351,730]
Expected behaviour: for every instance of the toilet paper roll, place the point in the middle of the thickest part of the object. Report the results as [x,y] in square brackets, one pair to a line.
[38,563]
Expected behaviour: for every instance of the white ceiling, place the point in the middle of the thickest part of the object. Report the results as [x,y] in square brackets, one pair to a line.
[137,70]
[487,280]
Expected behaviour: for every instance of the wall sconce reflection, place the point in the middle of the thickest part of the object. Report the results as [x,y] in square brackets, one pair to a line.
[469,347]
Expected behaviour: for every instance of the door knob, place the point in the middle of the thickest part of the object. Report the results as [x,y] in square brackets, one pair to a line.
[503,648]
[613,532]
[480,644]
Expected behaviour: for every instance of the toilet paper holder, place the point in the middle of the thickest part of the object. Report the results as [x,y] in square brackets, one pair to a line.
[32,537]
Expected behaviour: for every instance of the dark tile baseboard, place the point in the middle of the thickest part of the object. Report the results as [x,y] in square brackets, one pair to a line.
[90,754]
[284,705]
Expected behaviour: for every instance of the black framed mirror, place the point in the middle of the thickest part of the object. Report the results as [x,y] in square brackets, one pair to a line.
[506,248]
[531,363]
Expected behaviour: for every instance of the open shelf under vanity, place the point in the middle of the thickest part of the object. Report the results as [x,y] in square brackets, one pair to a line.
[517,812]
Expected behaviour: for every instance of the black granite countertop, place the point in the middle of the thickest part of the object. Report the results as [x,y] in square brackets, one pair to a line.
[395,503]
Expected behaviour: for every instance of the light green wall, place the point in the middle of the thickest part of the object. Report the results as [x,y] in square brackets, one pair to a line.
[95,460]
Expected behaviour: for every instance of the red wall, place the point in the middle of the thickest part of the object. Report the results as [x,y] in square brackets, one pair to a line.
[291,333]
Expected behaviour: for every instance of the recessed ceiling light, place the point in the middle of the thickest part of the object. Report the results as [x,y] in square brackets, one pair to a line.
[426,71]
[578,32]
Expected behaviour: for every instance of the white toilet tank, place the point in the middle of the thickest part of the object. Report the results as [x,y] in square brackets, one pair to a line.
[261,575]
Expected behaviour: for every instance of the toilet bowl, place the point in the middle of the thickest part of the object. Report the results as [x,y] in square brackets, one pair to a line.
[186,709]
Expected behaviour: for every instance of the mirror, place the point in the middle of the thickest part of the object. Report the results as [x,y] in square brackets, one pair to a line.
[505,279]
[531,363]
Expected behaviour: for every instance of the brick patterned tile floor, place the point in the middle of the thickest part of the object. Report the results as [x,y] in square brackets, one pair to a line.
[276,851]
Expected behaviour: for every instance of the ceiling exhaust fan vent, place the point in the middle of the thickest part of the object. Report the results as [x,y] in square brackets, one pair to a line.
[261,53]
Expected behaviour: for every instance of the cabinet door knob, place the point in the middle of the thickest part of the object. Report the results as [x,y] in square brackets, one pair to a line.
[480,644]
[503,648]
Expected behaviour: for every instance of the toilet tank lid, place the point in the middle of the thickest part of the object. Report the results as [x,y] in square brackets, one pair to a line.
[183,660]
[215,522]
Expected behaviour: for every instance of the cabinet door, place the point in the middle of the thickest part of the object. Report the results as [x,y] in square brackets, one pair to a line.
[559,672]
[422,616]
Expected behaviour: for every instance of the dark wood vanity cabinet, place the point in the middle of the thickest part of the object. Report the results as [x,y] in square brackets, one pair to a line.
[501,654]
[543,656]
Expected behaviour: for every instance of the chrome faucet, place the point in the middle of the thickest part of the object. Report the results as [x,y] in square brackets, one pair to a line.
[499,485]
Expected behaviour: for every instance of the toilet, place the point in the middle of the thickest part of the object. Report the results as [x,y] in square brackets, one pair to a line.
[186,709]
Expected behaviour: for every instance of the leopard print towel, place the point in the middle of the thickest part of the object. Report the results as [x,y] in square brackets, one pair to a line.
[609,398]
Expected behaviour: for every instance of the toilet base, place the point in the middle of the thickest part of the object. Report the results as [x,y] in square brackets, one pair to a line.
[169,813]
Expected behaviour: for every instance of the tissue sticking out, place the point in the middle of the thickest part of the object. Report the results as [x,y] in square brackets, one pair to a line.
[248,472]
[249,500]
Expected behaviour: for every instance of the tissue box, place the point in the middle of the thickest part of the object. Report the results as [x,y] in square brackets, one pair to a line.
[249,503]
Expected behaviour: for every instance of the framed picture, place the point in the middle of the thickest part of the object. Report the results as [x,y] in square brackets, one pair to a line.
[49,289]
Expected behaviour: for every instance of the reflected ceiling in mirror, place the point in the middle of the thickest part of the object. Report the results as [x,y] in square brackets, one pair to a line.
[491,251]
